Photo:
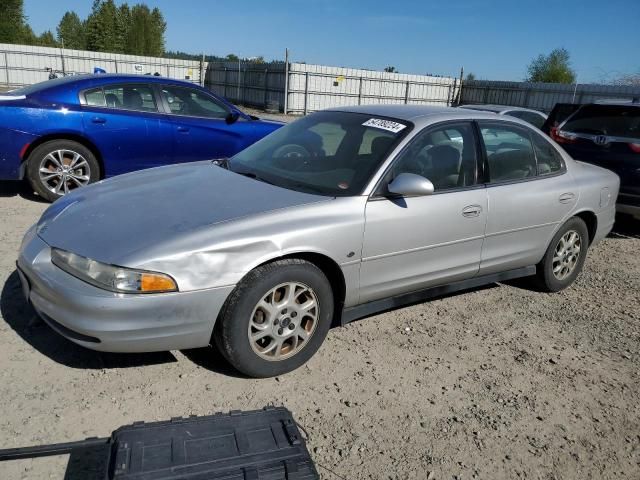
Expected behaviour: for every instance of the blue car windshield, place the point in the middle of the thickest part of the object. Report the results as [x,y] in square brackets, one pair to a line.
[328,153]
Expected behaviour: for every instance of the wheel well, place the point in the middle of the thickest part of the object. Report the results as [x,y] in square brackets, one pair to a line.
[333,273]
[66,136]
[590,219]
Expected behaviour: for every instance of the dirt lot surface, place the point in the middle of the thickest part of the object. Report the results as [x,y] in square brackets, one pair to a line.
[498,383]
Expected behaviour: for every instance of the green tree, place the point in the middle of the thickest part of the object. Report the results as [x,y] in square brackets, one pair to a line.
[102,27]
[71,32]
[123,27]
[146,31]
[232,57]
[13,23]
[390,69]
[47,39]
[470,77]
[552,68]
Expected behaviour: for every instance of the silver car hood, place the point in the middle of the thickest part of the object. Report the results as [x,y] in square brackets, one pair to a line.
[116,219]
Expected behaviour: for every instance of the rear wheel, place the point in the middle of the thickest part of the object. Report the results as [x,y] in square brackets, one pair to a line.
[565,256]
[276,318]
[59,166]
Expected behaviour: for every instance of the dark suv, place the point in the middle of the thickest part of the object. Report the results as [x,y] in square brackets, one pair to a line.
[607,135]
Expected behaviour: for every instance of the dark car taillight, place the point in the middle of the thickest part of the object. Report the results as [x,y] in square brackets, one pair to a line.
[561,136]
[635,147]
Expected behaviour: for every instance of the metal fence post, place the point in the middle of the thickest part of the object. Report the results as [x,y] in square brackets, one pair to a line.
[6,67]
[360,92]
[306,91]
[406,93]
[226,71]
[449,97]
[266,86]
[64,70]
[286,80]
[115,64]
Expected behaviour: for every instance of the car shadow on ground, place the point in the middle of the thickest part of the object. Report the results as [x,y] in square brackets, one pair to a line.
[21,317]
[625,227]
[15,188]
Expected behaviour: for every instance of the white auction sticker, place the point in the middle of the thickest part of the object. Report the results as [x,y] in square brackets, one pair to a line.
[388,125]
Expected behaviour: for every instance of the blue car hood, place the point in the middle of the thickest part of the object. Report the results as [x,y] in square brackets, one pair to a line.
[113,220]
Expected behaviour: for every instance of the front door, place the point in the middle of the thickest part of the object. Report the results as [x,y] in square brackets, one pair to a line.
[200,131]
[412,243]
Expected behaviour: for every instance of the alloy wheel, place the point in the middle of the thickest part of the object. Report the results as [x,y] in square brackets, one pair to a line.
[63,170]
[283,321]
[566,254]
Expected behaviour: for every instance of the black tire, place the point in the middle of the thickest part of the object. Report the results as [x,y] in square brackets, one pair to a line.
[89,169]
[231,334]
[545,277]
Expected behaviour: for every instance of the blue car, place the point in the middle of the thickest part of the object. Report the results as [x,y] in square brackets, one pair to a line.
[65,133]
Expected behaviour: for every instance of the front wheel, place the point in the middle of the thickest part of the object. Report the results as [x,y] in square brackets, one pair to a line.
[565,256]
[276,318]
[59,166]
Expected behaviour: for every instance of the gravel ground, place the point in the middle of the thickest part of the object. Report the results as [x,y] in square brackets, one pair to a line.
[501,382]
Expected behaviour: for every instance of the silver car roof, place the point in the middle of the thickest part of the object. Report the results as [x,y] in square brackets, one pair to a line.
[418,114]
[500,108]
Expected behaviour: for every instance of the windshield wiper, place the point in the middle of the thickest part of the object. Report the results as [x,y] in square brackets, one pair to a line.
[254,176]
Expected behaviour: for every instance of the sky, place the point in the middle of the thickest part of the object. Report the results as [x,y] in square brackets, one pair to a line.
[494,39]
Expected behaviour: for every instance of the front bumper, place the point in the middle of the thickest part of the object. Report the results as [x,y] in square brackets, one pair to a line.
[112,322]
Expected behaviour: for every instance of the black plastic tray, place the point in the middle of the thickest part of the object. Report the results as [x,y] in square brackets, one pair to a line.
[255,445]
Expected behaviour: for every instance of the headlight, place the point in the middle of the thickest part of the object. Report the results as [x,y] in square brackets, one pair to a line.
[110,277]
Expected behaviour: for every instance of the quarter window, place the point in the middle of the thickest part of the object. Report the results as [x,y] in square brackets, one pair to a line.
[509,152]
[191,102]
[530,117]
[95,98]
[130,97]
[444,155]
[549,159]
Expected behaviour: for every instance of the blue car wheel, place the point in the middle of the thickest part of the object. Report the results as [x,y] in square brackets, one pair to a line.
[59,166]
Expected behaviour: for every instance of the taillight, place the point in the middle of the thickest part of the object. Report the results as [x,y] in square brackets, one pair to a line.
[635,147]
[561,136]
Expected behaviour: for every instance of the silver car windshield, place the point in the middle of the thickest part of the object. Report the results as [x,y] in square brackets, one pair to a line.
[327,153]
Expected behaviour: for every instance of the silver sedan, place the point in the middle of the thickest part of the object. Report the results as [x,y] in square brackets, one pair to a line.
[337,216]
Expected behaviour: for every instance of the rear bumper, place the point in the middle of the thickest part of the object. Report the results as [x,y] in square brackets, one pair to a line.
[111,322]
[628,203]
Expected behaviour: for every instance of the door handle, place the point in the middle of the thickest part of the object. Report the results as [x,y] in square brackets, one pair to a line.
[471,211]
[566,197]
[99,120]
[183,129]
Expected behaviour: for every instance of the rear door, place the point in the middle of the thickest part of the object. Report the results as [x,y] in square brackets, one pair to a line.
[529,194]
[412,243]
[125,124]
[199,127]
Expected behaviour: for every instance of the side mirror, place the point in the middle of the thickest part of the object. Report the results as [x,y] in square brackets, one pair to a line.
[232,117]
[410,185]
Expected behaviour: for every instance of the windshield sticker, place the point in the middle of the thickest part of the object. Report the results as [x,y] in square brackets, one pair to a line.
[388,125]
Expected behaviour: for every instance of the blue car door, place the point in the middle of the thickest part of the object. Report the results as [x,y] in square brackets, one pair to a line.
[200,131]
[126,125]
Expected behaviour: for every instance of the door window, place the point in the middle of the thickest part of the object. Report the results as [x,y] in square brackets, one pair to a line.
[445,155]
[509,153]
[192,102]
[130,97]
